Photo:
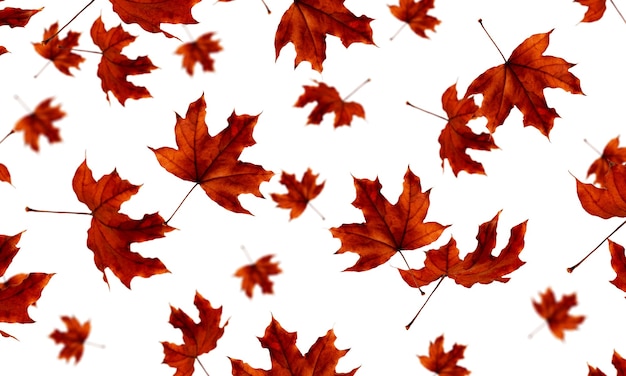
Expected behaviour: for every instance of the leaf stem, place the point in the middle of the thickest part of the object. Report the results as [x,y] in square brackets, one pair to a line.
[618,12]
[480,21]
[356,89]
[191,38]
[68,22]
[22,103]
[266,7]
[28,209]
[315,210]
[79,50]
[414,280]
[42,68]
[571,268]
[592,147]
[428,112]
[202,366]
[537,329]
[398,32]
[7,135]
[408,326]
[100,346]
[245,251]
[181,203]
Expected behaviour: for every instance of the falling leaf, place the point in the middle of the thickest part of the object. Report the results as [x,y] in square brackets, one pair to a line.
[112,232]
[258,273]
[287,360]
[307,22]
[557,314]
[415,14]
[59,51]
[73,339]
[612,154]
[618,362]
[3,50]
[618,262]
[595,9]
[8,250]
[328,100]
[39,123]
[213,162]
[608,201]
[520,82]
[198,338]
[199,51]
[388,228]
[444,363]
[18,293]
[4,175]
[150,14]
[299,193]
[16,17]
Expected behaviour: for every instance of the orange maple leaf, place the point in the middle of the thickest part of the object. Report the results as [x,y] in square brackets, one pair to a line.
[608,201]
[388,228]
[595,9]
[258,273]
[39,123]
[479,266]
[112,232]
[328,100]
[4,175]
[307,22]
[320,360]
[612,154]
[444,363]
[299,193]
[114,68]
[212,162]
[16,17]
[618,262]
[414,13]
[199,51]
[150,14]
[198,338]
[556,313]
[520,82]
[618,362]
[73,339]
[59,51]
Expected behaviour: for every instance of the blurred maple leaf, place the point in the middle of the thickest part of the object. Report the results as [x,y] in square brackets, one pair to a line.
[595,9]
[299,193]
[258,273]
[150,14]
[618,362]
[39,123]
[59,51]
[608,201]
[328,100]
[556,313]
[414,13]
[444,363]
[612,154]
[199,51]
[73,339]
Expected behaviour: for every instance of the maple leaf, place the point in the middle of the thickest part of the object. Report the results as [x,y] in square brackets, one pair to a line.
[618,362]
[299,193]
[307,22]
[556,313]
[112,232]
[4,175]
[520,82]
[150,14]
[198,338]
[595,9]
[328,100]
[114,68]
[479,266]
[212,162]
[39,123]
[618,262]
[612,154]
[320,360]
[3,50]
[258,273]
[8,250]
[16,17]
[444,363]
[388,228]
[73,339]
[59,51]
[414,13]
[18,293]
[605,202]
[199,51]
[456,137]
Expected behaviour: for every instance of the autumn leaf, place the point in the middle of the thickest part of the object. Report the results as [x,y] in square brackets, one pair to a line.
[618,262]
[16,17]
[388,228]
[299,193]
[320,360]
[612,154]
[595,9]
[8,250]
[213,162]
[198,338]
[111,232]
[556,312]
[258,273]
[520,82]
[414,13]
[39,123]
[73,339]
[328,100]
[199,51]
[114,68]
[59,51]
[4,175]
[608,201]
[444,363]
[618,362]
[150,14]
[306,23]
[3,50]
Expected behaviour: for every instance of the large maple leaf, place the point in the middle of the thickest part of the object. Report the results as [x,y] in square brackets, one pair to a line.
[114,68]
[112,232]
[595,9]
[287,360]
[414,13]
[198,338]
[59,51]
[73,340]
[39,123]
[520,82]
[299,194]
[618,362]
[611,155]
[307,22]
[479,266]
[258,273]
[444,363]
[213,162]
[328,100]
[199,51]
[608,201]
[388,228]
[556,312]
[150,14]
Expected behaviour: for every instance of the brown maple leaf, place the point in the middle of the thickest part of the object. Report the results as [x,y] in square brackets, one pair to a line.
[299,193]
[479,266]
[414,13]
[618,262]
[112,232]
[557,314]
[59,51]
[618,362]
[328,100]
[520,82]
[388,228]
[150,14]
[16,17]
[595,9]
[39,123]
[608,201]
[444,363]
[198,338]
[320,360]
[4,175]
[258,273]
[73,339]
[114,68]
[213,162]
[612,154]
[307,22]
[199,51]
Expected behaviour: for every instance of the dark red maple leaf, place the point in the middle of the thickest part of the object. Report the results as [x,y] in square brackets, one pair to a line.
[556,312]
[299,194]
[39,123]
[58,50]
[16,17]
[612,154]
[4,175]
[199,51]
[150,14]
[73,340]
[618,362]
[328,100]
[414,13]
[444,363]
[608,201]
[258,273]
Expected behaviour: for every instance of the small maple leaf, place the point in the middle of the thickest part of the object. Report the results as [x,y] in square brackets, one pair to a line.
[16,17]
[150,14]
[520,82]
[198,338]
[307,22]
[287,360]
[608,201]
[618,262]
[258,273]
[557,314]
[612,154]
[4,175]
[328,100]
[444,363]
[114,68]
[388,228]
[39,123]
[595,9]
[73,339]
[59,51]
[112,232]
[415,14]
[618,362]
[213,162]
[299,193]
[199,51]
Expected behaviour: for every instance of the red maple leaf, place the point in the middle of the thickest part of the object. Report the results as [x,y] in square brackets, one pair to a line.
[73,339]
[608,201]
[595,9]
[307,22]
[39,123]
[618,262]
[287,360]
[16,17]
[414,13]
[328,100]
[258,273]
[150,14]
[299,193]
[4,175]
[556,312]
[444,363]
[618,362]
[199,51]
[612,154]
[59,51]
